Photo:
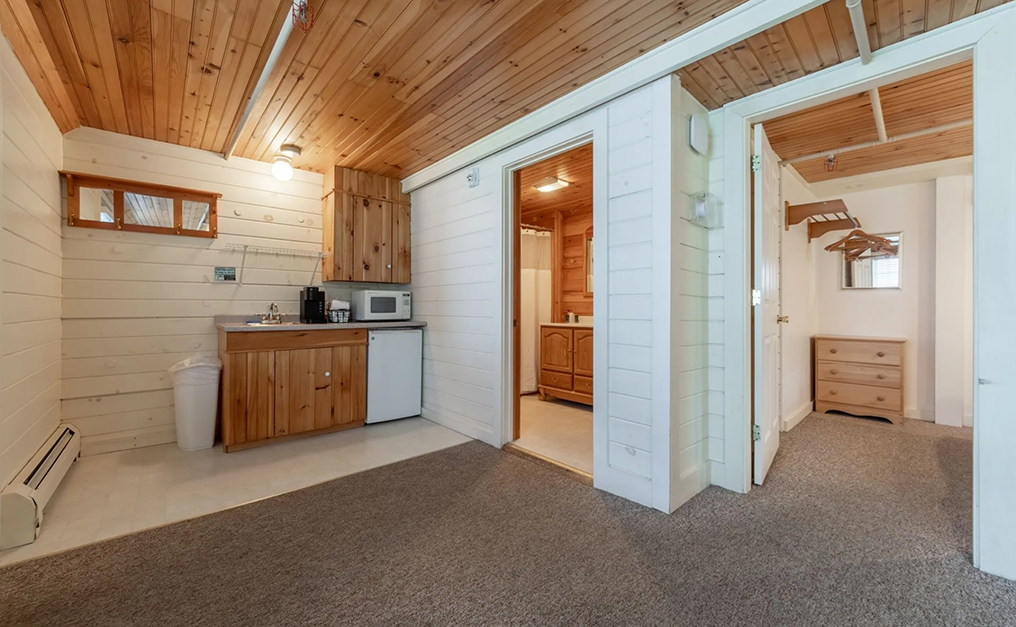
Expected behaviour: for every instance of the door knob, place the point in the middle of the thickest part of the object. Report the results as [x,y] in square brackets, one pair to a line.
[782,319]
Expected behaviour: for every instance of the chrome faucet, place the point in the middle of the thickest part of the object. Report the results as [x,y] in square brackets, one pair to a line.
[273,316]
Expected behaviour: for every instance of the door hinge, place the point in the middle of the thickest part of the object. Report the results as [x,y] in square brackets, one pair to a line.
[756,298]
[756,163]
[756,433]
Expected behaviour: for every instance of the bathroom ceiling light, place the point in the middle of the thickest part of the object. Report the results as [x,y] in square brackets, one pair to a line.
[550,183]
[282,166]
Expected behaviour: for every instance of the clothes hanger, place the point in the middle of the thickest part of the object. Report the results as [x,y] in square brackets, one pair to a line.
[857,242]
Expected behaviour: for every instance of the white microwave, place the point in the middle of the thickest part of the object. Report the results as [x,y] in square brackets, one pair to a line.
[370,305]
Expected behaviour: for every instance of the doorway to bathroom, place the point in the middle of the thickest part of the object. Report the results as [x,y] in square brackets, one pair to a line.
[553,280]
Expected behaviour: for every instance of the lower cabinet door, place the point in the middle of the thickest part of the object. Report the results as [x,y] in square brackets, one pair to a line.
[249,397]
[303,390]
[349,385]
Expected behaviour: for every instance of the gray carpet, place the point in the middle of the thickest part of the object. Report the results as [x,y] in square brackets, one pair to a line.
[860,523]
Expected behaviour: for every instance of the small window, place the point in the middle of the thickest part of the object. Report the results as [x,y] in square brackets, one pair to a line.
[104,203]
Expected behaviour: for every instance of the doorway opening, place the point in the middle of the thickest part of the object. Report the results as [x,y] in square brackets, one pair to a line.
[862,263]
[553,285]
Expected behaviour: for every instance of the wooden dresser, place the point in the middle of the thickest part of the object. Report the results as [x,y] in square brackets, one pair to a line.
[566,362]
[859,375]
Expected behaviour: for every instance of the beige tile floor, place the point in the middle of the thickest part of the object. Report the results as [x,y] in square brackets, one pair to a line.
[559,430]
[108,495]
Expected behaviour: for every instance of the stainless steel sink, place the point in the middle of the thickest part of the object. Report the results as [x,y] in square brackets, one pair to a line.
[271,324]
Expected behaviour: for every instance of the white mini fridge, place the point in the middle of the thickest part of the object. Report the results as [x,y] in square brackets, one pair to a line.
[394,374]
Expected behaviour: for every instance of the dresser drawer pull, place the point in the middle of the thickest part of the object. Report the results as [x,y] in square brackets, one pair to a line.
[832,350]
[881,399]
[832,392]
[833,371]
[881,376]
[881,354]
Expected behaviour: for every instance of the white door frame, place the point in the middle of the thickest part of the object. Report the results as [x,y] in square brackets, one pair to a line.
[928,52]
[587,128]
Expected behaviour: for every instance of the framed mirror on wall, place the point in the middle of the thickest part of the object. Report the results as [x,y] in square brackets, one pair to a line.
[874,272]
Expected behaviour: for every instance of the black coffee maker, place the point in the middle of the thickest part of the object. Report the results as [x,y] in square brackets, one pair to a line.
[312,306]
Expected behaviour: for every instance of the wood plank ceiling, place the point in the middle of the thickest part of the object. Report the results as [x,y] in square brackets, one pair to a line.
[812,41]
[941,98]
[387,86]
[575,167]
[178,71]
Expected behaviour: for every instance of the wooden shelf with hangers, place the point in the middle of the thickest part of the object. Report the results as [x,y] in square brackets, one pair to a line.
[823,217]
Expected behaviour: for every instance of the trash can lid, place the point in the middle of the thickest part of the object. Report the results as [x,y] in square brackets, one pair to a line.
[197,362]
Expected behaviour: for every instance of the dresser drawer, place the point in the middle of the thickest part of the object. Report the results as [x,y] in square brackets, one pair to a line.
[864,352]
[859,395]
[555,380]
[583,385]
[842,372]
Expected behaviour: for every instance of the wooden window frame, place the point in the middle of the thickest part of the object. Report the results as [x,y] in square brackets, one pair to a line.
[119,187]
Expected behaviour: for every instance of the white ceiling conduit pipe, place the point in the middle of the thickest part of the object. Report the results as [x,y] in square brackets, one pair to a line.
[273,58]
[857,21]
[872,144]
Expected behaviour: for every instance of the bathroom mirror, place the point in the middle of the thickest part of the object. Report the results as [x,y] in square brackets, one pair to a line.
[589,261]
[879,272]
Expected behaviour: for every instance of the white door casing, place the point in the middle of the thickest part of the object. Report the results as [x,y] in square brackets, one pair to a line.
[766,280]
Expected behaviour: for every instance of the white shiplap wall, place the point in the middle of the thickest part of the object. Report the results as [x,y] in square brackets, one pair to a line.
[458,287]
[691,280]
[135,303]
[31,248]
[716,308]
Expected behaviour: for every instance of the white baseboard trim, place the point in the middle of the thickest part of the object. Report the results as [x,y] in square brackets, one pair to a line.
[914,413]
[791,421]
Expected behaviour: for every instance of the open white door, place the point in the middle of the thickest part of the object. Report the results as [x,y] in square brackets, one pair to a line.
[766,300]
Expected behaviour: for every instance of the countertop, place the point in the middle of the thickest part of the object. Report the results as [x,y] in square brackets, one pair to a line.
[231,324]
[568,325]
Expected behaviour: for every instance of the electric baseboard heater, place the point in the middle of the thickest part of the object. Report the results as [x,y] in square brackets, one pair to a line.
[23,502]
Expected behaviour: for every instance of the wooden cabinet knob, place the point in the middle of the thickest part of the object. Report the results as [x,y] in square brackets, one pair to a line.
[832,350]
[833,371]
[881,354]
[832,392]
[881,398]
[881,376]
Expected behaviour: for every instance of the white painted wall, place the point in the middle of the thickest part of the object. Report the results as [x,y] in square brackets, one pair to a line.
[691,289]
[908,312]
[799,301]
[459,279]
[136,303]
[954,301]
[30,270]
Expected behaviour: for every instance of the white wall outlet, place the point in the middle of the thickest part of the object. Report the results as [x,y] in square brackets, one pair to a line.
[473,177]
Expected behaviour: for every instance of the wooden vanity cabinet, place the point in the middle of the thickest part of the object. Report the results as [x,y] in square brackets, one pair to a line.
[284,384]
[566,363]
[365,228]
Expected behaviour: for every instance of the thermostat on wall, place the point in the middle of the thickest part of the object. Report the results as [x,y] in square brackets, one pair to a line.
[698,133]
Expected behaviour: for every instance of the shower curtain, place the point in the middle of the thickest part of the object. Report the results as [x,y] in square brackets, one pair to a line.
[535,303]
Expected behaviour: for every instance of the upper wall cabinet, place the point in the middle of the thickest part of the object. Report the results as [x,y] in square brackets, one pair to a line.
[366,228]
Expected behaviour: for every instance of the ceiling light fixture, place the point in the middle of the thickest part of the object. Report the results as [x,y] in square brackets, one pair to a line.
[282,166]
[550,183]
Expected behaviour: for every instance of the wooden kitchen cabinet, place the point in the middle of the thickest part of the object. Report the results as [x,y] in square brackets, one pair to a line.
[366,228]
[284,384]
[566,363]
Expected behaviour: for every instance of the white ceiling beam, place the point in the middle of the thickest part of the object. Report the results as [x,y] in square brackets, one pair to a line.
[741,22]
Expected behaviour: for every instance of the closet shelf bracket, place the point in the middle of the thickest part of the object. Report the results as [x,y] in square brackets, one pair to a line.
[822,217]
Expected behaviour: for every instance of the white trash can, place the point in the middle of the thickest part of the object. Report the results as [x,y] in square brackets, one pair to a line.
[196,396]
